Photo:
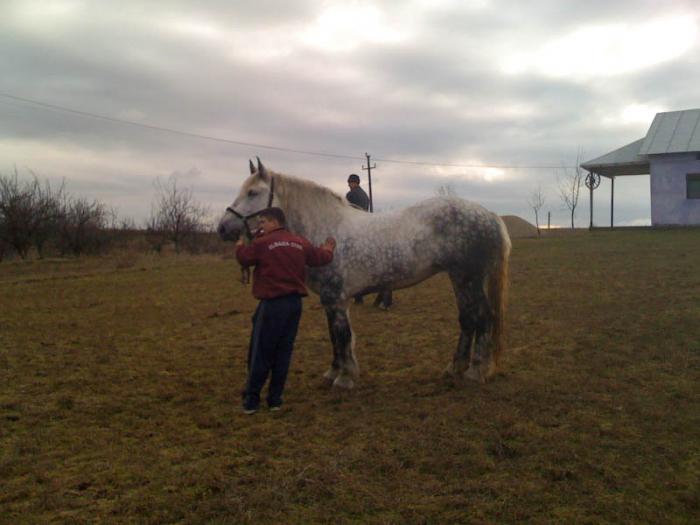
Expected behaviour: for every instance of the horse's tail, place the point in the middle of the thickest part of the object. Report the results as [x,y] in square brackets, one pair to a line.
[497,291]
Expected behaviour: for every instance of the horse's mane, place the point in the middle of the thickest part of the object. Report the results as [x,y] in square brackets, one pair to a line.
[306,187]
[308,202]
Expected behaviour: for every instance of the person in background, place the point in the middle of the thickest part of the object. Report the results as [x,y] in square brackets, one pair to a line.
[357,195]
[280,259]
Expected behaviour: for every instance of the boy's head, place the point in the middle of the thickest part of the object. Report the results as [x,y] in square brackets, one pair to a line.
[353,181]
[272,219]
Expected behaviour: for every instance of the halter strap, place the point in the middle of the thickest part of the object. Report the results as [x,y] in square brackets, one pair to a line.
[245,218]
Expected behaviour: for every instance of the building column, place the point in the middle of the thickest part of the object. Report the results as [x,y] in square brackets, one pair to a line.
[612,199]
[590,188]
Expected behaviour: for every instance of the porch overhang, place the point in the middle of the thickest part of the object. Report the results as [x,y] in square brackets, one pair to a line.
[620,162]
[623,161]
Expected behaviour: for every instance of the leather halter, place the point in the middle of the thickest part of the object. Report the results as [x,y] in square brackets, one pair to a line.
[245,218]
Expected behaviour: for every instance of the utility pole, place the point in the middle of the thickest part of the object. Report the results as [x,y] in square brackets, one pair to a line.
[369,181]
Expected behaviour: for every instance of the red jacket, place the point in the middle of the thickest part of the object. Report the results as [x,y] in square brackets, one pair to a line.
[280,259]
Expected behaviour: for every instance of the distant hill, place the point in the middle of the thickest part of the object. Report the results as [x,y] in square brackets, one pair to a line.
[519,228]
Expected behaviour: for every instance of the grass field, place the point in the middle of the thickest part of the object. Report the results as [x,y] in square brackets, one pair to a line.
[120,380]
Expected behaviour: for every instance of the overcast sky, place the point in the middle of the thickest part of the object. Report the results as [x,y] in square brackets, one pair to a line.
[439,82]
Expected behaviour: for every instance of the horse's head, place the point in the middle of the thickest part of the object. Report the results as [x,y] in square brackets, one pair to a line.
[256,194]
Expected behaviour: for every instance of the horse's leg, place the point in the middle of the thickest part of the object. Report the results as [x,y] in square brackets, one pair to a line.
[334,370]
[464,292]
[388,299]
[384,299]
[482,364]
[344,367]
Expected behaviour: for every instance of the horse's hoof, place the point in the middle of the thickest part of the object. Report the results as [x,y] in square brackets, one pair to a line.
[343,381]
[474,374]
[455,370]
[449,372]
[329,376]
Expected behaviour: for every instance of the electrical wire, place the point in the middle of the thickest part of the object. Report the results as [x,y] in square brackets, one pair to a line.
[88,114]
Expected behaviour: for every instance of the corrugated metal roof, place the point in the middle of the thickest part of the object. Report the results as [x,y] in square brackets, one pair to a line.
[622,161]
[673,132]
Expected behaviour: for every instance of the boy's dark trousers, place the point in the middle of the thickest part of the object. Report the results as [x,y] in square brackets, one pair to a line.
[275,324]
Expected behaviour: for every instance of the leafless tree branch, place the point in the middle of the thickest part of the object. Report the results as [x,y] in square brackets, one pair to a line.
[536,201]
[570,181]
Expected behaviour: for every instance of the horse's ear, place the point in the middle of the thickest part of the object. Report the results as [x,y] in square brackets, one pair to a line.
[252,167]
[262,171]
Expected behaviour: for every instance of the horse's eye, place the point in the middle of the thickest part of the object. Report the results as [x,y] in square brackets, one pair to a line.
[252,193]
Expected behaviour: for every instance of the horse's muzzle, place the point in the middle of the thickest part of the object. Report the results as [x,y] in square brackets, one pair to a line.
[228,234]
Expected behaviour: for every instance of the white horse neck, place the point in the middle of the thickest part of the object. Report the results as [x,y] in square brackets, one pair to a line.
[312,210]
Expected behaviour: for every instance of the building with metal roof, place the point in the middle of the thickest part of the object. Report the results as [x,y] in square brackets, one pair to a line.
[670,155]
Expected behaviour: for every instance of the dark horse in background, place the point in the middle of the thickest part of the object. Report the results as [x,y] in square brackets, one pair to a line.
[391,250]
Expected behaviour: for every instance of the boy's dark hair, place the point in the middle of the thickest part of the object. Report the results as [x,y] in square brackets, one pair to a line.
[276,214]
[354,178]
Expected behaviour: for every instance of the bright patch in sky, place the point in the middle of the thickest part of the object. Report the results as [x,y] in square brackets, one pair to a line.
[250,45]
[338,28]
[639,114]
[472,173]
[609,50]
[43,17]
[635,222]
[196,29]
[344,27]
[48,10]
[446,4]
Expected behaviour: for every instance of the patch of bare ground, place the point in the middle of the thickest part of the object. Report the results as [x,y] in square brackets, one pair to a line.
[119,397]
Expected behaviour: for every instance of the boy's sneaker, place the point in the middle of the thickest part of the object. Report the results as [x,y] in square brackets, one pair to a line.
[249,406]
[274,404]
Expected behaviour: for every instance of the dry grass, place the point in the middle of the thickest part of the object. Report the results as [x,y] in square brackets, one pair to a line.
[119,397]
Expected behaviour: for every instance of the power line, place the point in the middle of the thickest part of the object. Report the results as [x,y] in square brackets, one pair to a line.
[495,166]
[64,109]
[170,130]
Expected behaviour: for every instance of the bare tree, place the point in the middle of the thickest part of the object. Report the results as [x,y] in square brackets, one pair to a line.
[49,213]
[28,212]
[175,215]
[17,213]
[536,201]
[111,217]
[83,226]
[446,189]
[570,182]
[116,222]
[4,246]
[126,224]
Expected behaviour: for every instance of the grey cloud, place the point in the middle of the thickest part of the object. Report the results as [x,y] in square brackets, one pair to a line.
[378,98]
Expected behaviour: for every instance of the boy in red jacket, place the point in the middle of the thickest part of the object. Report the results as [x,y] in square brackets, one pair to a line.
[280,259]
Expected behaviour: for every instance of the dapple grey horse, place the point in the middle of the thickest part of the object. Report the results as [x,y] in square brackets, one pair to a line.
[391,250]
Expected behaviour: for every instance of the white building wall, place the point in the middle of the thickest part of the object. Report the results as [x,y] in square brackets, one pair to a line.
[669,205]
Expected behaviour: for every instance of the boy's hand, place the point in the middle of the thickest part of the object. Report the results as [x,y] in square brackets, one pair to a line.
[240,242]
[329,244]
